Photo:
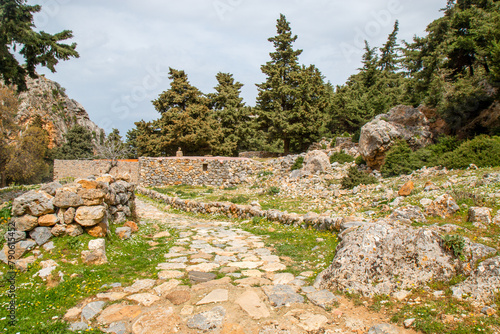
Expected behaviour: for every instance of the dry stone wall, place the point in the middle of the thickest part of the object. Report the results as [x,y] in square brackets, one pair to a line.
[64,169]
[214,171]
[86,205]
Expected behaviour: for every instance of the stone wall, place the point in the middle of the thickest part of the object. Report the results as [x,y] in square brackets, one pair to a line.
[214,171]
[77,169]
[231,210]
[259,154]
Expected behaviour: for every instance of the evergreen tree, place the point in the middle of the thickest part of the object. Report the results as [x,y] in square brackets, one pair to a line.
[8,128]
[236,126]
[112,147]
[186,121]
[78,144]
[283,110]
[389,59]
[37,48]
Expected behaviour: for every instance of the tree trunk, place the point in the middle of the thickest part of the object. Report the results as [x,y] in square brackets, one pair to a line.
[286,145]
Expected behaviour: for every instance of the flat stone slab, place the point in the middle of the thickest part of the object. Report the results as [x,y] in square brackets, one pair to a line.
[146,299]
[209,320]
[270,258]
[116,328]
[251,303]
[139,285]
[246,264]
[165,288]
[169,274]
[112,296]
[92,309]
[78,326]
[201,277]
[216,296]
[282,295]
[322,298]
[252,281]
[118,312]
[283,278]
[252,273]
[203,267]
[178,297]
[170,266]
[306,320]
[273,266]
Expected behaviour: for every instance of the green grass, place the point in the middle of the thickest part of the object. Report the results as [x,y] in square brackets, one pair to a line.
[38,304]
[297,244]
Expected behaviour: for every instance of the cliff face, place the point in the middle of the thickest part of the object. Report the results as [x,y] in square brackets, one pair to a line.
[59,113]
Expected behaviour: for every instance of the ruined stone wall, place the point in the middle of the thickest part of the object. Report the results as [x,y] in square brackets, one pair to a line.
[214,171]
[85,168]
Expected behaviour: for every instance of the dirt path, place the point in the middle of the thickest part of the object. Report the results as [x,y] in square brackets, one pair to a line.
[251,294]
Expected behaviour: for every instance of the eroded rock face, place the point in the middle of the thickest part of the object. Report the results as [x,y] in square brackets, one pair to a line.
[381,258]
[34,203]
[401,122]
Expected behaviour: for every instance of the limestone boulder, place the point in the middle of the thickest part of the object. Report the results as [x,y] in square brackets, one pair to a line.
[91,196]
[25,223]
[34,203]
[69,215]
[41,235]
[48,220]
[74,230]
[50,188]
[401,122]
[67,196]
[98,231]
[483,284]
[316,161]
[90,215]
[443,206]
[384,257]
[479,215]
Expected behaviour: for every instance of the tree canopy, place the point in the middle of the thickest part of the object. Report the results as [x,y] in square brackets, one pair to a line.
[17,34]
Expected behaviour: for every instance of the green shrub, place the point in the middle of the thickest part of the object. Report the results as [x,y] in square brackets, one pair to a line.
[256,220]
[240,199]
[483,151]
[341,158]
[454,243]
[273,191]
[360,161]
[299,162]
[399,160]
[356,177]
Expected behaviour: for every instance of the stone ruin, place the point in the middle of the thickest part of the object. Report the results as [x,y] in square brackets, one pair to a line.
[83,206]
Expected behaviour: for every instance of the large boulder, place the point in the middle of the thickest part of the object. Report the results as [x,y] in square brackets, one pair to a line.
[67,196]
[382,258]
[401,122]
[90,215]
[34,203]
[316,161]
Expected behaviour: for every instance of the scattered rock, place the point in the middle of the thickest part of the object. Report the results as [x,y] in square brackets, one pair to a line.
[443,206]
[316,161]
[124,233]
[250,302]
[409,213]
[282,295]
[406,189]
[383,329]
[307,320]
[98,231]
[209,320]
[483,284]
[409,322]
[479,215]
[178,297]
[133,226]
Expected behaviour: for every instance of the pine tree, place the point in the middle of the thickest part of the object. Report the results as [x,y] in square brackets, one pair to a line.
[37,48]
[232,115]
[186,120]
[389,59]
[78,144]
[284,111]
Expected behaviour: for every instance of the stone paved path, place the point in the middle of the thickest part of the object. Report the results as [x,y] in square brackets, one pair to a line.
[251,293]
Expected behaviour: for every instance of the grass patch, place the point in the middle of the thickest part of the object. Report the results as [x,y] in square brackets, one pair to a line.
[38,305]
[297,245]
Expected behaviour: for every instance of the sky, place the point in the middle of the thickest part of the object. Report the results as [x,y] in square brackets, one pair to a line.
[127,47]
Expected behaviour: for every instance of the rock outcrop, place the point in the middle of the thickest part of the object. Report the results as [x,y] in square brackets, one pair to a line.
[401,122]
[58,112]
[386,257]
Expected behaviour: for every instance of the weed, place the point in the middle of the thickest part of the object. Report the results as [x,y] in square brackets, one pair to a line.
[454,243]
[299,162]
[273,191]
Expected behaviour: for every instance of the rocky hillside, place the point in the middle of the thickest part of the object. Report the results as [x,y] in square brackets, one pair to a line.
[59,113]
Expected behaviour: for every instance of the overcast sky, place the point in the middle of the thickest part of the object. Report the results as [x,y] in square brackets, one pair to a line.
[127,46]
